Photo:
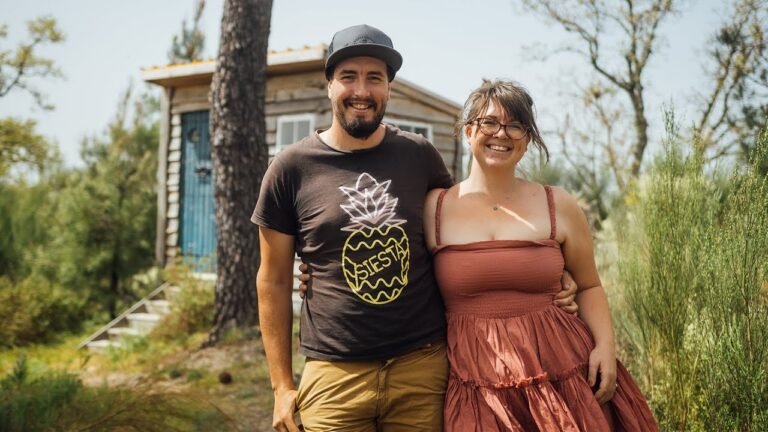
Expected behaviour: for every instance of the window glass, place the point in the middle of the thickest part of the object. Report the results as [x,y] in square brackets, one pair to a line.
[408,126]
[292,128]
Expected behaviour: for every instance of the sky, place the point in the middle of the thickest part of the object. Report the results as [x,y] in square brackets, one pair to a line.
[448,46]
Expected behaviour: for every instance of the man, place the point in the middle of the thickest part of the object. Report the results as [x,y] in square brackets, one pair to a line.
[349,200]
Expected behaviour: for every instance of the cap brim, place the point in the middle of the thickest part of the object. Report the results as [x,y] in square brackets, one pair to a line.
[392,58]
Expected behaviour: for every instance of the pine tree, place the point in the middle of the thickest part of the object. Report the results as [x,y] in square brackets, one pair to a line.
[188,45]
[240,155]
[104,226]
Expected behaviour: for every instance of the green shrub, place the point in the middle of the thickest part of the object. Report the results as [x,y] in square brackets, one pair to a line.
[194,375]
[32,405]
[734,354]
[35,310]
[59,401]
[191,309]
[175,372]
[692,317]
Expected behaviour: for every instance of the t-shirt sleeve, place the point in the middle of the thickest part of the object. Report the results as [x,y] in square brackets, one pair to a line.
[439,177]
[275,206]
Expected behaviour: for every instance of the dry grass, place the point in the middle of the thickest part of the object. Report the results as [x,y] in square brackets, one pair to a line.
[174,373]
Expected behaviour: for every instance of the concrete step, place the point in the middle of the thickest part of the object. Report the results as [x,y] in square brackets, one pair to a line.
[117,334]
[171,292]
[137,320]
[205,276]
[143,322]
[158,307]
[102,345]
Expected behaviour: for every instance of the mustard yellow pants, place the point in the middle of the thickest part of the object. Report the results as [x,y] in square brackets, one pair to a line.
[402,394]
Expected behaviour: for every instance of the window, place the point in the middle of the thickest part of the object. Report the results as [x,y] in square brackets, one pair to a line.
[291,128]
[466,158]
[415,127]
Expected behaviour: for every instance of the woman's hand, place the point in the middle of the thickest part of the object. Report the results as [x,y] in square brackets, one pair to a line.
[602,361]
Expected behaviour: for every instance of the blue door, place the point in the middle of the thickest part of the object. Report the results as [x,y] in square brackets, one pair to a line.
[198,215]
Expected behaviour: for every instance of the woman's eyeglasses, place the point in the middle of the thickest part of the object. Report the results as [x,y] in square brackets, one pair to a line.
[490,127]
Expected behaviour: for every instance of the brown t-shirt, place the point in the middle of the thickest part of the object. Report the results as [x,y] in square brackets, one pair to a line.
[357,220]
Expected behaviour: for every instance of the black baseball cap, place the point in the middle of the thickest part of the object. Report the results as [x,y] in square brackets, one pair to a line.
[362,41]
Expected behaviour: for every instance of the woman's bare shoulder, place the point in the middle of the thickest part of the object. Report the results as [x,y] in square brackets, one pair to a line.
[433,194]
[563,199]
[571,217]
[430,204]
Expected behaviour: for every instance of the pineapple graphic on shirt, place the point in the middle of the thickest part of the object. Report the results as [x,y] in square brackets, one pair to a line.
[376,255]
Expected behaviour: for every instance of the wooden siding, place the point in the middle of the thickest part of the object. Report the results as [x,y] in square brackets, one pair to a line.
[173,181]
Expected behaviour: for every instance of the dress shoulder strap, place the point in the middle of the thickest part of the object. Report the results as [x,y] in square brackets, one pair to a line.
[438,209]
[551,205]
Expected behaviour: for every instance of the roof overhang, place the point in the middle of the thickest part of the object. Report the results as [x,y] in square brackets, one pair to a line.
[201,72]
[427,96]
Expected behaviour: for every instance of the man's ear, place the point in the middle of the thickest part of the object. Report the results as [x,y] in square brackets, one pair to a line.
[329,88]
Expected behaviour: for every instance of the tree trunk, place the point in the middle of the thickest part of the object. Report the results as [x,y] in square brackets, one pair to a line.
[239,153]
[641,130]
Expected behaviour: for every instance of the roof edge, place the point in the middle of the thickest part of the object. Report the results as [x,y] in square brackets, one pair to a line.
[451,106]
[275,59]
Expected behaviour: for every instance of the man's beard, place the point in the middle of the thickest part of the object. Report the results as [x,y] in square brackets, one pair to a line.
[359,128]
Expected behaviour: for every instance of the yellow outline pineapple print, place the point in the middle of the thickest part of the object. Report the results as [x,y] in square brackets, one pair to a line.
[376,256]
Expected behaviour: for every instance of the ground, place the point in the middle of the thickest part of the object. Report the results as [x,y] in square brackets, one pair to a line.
[247,399]
[175,366]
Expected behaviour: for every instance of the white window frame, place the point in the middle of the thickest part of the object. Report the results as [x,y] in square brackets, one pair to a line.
[466,157]
[412,124]
[289,119]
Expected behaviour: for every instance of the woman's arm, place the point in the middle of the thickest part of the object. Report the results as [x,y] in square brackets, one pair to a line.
[579,257]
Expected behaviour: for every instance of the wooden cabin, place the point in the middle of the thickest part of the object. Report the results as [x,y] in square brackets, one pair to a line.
[296,104]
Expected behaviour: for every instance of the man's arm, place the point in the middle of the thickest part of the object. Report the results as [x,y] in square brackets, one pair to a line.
[566,298]
[274,285]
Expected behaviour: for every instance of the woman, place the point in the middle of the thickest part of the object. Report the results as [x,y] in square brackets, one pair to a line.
[500,246]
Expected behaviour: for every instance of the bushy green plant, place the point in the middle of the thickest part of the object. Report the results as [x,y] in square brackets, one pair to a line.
[191,308]
[59,401]
[32,405]
[25,214]
[693,315]
[34,310]
[735,317]
[669,219]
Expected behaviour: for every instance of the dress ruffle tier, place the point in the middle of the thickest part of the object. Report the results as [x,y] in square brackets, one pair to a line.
[528,372]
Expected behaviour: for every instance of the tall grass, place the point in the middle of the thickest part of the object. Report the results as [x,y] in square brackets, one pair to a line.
[58,401]
[692,314]
[735,314]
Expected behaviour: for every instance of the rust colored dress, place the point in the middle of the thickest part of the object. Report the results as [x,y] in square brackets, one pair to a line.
[518,362]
